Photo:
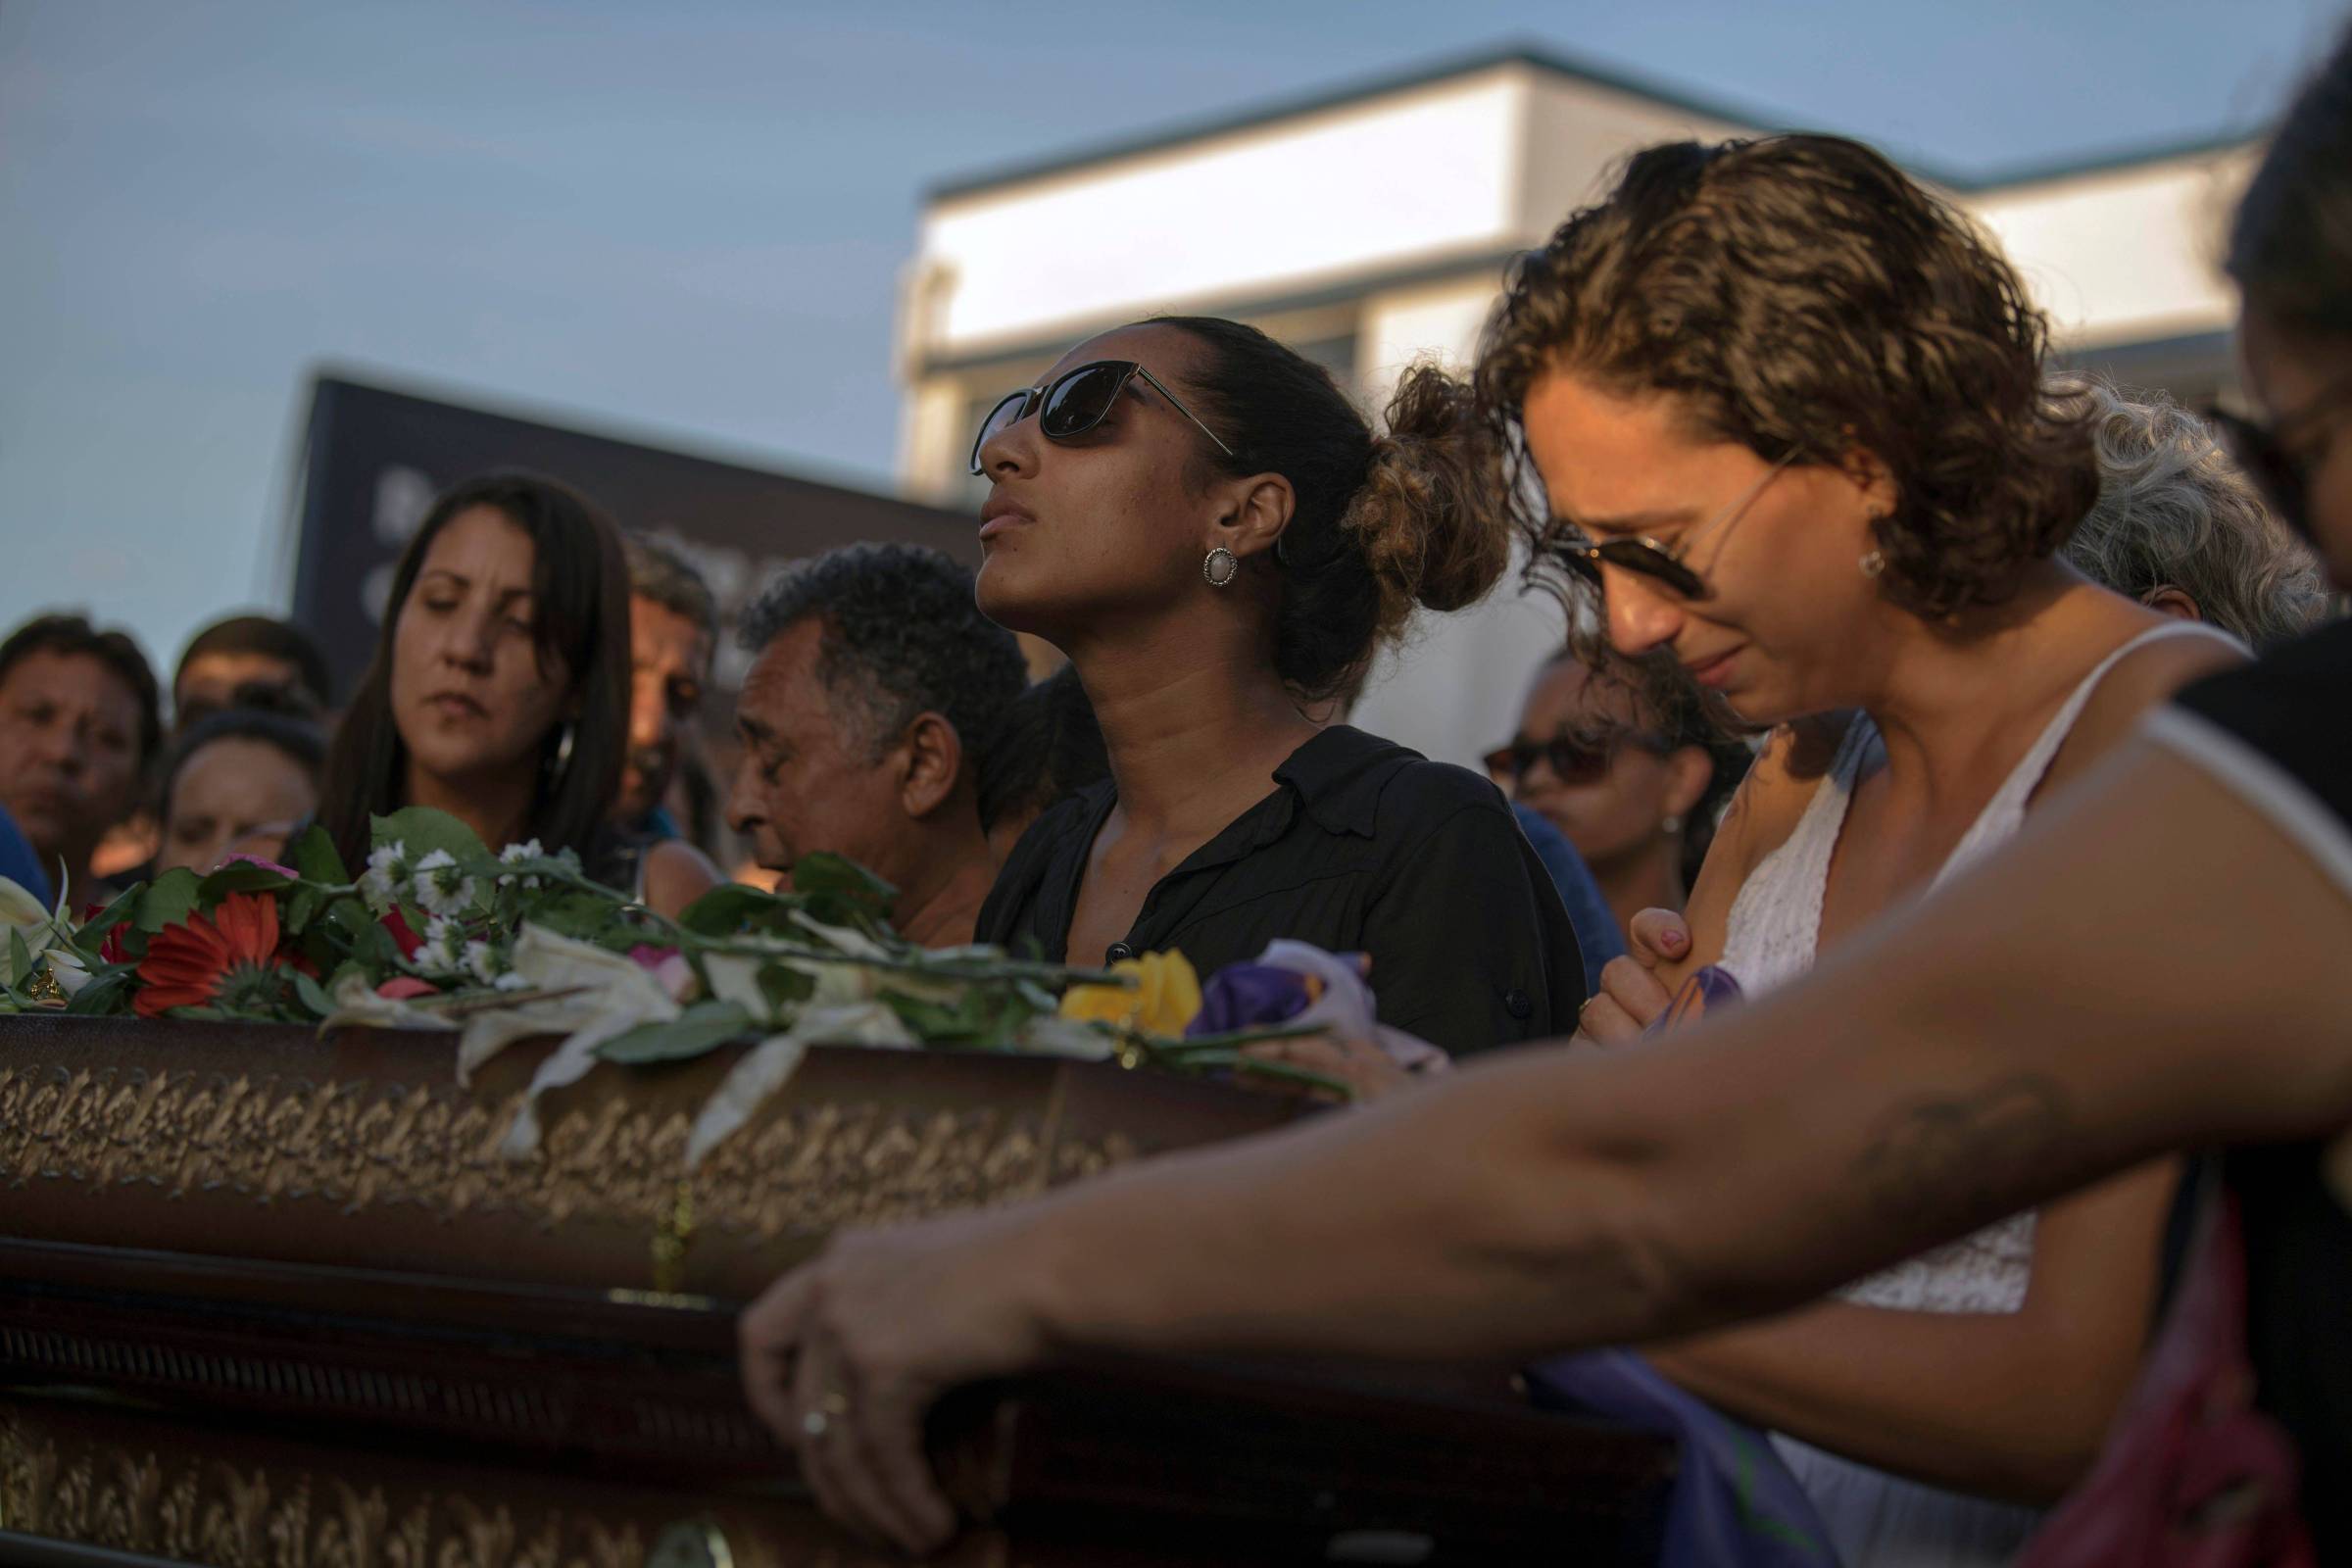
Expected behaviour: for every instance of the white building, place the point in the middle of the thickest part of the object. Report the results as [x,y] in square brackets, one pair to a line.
[1370,227]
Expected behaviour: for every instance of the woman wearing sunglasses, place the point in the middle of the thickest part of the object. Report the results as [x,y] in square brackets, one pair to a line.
[1209,530]
[1789,417]
[1622,758]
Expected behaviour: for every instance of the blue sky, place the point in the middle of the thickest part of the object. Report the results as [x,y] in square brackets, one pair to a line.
[687,220]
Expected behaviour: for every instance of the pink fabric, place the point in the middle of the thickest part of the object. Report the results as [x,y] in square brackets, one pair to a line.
[2194,1475]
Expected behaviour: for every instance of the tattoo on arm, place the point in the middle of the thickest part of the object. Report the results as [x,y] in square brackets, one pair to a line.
[1958,1157]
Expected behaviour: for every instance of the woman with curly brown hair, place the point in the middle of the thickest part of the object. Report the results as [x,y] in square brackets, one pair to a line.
[1788,413]
[1211,533]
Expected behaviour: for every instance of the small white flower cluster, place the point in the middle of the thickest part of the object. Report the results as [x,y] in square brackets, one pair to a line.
[441,952]
[448,954]
[436,883]
[442,886]
[386,879]
[517,855]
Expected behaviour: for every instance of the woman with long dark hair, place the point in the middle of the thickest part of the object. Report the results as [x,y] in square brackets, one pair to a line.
[498,691]
[1219,542]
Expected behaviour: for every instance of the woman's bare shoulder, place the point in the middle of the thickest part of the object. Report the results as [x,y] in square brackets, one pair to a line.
[2144,678]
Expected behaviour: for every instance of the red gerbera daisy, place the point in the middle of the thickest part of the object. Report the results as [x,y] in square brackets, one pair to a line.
[229,960]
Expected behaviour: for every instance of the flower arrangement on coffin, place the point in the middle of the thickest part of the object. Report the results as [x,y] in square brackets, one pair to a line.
[437,933]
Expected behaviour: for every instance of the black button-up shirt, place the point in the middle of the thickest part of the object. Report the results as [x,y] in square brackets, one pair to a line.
[1363,847]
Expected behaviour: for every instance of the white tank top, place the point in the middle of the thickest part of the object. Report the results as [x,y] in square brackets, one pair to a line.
[1877,1520]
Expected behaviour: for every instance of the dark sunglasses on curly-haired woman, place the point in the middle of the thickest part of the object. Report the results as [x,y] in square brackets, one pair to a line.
[2278,455]
[1075,402]
[1660,563]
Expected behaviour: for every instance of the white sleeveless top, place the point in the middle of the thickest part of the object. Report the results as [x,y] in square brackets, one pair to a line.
[1878,1520]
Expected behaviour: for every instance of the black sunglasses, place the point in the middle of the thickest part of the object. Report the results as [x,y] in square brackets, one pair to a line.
[1574,759]
[1075,402]
[2266,450]
[1664,563]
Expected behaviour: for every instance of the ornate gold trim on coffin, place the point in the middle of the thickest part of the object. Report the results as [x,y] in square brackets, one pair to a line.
[260,1142]
[237,1498]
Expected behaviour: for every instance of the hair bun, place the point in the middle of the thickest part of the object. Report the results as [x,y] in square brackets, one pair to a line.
[1430,517]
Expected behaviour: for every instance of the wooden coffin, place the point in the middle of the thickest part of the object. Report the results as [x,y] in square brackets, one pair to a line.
[270,1300]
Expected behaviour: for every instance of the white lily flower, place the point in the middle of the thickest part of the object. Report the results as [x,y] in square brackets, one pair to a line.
[1050,1033]
[22,913]
[616,993]
[857,944]
[735,977]
[357,1003]
[66,969]
[766,1066]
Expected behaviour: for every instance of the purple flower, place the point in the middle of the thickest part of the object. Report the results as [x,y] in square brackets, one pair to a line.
[1251,996]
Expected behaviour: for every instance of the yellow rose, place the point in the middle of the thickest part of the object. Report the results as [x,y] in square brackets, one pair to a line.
[1165,998]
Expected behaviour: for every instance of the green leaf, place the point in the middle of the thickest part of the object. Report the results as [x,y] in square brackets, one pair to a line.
[351,917]
[363,934]
[585,916]
[302,907]
[168,901]
[19,958]
[315,859]
[726,909]
[700,1028]
[985,1017]
[784,986]
[836,889]
[931,1021]
[314,996]
[96,929]
[424,830]
[108,990]
[238,876]
[372,945]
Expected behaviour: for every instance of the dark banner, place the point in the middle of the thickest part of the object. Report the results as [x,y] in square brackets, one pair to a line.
[376,458]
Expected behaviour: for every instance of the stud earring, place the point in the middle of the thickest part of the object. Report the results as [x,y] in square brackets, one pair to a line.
[1670,826]
[1220,567]
[1873,562]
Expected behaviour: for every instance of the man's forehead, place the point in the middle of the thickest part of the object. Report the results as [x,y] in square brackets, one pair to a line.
[655,626]
[784,677]
[56,671]
[228,669]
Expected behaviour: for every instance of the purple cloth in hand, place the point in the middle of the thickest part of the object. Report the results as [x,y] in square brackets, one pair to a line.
[1711,987]
[1734,1503]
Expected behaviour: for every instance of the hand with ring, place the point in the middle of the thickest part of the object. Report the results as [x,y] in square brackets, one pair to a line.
[843,1357]
[830,1407]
